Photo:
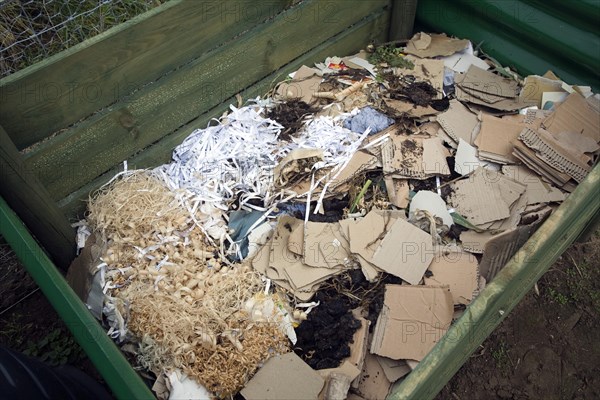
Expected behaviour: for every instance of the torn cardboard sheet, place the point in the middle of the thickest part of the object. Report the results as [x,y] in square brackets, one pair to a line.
[575,114]
[295,380]
[296,166]
[406,251]
[414,157]
[487,89]
[370,272]
[485,196]
[457,269]
[372,382]
[427,70]
[495,139]
[552,152]
[366,234]
[432,203]
[458,122]
[325,245]
[537,191]
[474,242]
[393,369]
[304,84]
[428,46]
[529,158]
[534,88]
[398,191]
[412,321]
[461,61]
[500,249]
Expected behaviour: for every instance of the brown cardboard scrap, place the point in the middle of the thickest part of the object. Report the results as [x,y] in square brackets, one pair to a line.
[529,158]
[474,242]
[428,46]
[406,251]
[575,114]
[576,142]
[457,269]
[495,139]
[295,242]
[537,191]
[302,86]
[360,162]
[346,368]
[393,369]
[398,191]
[502,247]
[458,122]
[372,382]
[427,70]
[414,157]
[553,153]
[370,272]
[296,166]
[325,245]
[405,107]
[430,128]
[295,380]
[502,106]
[478,198]
[367,233]
[534,87]
[412,321]
[487,85]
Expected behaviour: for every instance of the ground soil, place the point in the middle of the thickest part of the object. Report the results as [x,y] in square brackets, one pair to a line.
[547,348]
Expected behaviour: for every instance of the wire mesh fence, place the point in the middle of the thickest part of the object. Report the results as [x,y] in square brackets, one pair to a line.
[31,30]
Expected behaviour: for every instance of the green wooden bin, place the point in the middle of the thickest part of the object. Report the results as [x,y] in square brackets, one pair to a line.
[137,90]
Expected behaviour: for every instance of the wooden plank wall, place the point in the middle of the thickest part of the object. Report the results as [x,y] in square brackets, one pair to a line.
[139,89]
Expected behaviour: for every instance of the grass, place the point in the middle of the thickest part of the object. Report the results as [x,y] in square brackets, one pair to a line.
[502,358]
[33,30]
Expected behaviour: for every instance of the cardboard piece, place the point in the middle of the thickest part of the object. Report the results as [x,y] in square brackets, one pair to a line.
[458,122]
[412,321]
[325,245]
[306,81]
[474,242]
[393,369]
[373,383]
[575,114]
[537,190]
[427,70]
[296,166]
[405,107]
[295,380]
[534,87]
[457,269]
[414,157]
[360,162]
[406,252]
[485,196]
[433,203]
[495,139]
[367,233]
[500,249]
[370,272]
[488,89]
[529,158]
[552,152]
[428,46]
[466,159]
[398,191]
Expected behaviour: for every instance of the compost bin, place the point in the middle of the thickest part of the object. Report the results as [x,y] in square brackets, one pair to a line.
[138,90]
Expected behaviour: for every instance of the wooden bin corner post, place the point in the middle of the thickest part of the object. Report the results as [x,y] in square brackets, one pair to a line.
[402,19]
[30,200]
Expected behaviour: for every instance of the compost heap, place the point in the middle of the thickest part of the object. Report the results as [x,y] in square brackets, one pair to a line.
[391,178]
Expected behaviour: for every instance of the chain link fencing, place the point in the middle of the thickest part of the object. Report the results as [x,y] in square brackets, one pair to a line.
[31,30]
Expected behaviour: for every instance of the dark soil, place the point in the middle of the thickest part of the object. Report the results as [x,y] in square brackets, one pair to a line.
[549,346]
[291,116]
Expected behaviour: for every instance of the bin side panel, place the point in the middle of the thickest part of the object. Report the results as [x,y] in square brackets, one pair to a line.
[372,28]
[73,158]
[75,83]
[503,293]
[531,36]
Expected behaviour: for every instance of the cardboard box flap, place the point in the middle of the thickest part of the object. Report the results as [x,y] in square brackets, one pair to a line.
[412,320]
[406,252]
[577,115]
[496,137]
[458,121]
[284,377]
[428,46]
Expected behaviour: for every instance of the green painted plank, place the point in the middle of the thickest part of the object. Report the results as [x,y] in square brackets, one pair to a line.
[65,88]
[73,158]
[503,293]
[30,199]
[529,39]
[108,360]
[374,28]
